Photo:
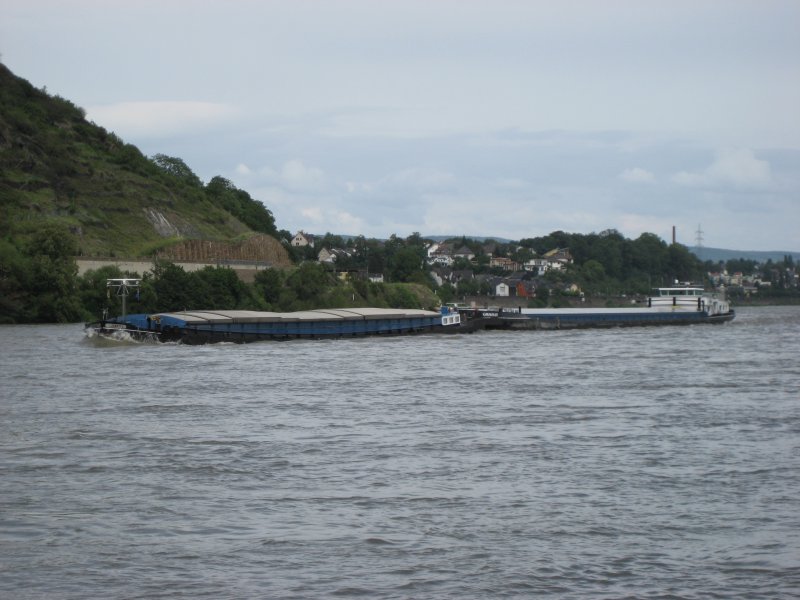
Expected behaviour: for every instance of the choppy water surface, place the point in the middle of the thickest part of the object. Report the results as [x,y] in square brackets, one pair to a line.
[652,463]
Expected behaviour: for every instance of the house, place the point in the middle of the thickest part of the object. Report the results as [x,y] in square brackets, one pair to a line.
[558,258]
[435,247]
[526,289]
[501,288]
[440,254]
[444,260]
[504,263]
[441,275]
[461,275]
[521,285]
[490,249]
[302,239]
[464,252]
[538,266]
[332,255]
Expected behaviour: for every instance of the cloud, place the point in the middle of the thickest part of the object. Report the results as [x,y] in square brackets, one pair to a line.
[313,214]
[297,176]
[465,185]
[637,175]
[293,176]
[353,187]
[160,119]
[347,222]
[420,178]
[633,225]
[736,167]
[337,221]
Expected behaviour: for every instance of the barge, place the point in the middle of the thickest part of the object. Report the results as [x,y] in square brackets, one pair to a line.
[240,326]
[680,305]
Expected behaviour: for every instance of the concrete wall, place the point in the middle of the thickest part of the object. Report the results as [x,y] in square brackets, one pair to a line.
[246,270]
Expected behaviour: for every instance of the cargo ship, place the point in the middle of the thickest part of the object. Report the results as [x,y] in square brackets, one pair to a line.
[679,305]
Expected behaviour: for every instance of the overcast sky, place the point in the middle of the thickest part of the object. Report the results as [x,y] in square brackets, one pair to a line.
[493,118]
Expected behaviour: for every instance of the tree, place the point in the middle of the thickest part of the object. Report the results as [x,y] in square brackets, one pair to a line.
[593,271]
[608,250]
[446,293]
[376,257]
[308,282]
[400,296]
[14,296]
[649,254]
[330,240]
[52,277]
[239,203]
[468,287]
[741,265]
[415,239]
[224,289]
[177,168]
[174,287]
[268,285]
[682,265]
[94,293]
[405,264]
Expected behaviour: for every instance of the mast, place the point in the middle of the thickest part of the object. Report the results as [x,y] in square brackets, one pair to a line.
[122,288]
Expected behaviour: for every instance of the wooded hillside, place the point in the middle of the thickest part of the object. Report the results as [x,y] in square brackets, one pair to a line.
[58,169]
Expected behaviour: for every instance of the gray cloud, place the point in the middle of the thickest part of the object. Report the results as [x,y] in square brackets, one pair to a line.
[501,118]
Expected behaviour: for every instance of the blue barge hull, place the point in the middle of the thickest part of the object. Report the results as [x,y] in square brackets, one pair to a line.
[200,327]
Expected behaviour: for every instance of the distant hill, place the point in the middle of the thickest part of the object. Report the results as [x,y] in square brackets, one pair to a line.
[58,168]
[433,238]
[477,238]
[720,254]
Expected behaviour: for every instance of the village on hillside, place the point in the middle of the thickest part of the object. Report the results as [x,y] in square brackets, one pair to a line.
[495,274]
[456,265]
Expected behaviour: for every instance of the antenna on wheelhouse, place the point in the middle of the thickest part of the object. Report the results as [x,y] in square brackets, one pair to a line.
[122,288]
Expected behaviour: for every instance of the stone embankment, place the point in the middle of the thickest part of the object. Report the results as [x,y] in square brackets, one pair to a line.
[246,257]
[245,270]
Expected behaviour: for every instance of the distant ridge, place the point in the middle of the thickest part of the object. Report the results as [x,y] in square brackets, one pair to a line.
[704,254]
[761,256]
[434,238]
[477,238]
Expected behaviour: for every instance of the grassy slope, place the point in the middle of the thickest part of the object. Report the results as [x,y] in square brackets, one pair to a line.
[57,167]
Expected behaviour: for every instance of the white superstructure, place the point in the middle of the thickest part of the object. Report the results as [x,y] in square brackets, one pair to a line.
[689,298]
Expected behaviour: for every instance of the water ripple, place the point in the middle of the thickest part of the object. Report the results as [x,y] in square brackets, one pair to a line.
[652,463]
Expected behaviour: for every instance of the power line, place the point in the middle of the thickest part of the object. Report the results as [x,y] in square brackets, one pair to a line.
[698,237]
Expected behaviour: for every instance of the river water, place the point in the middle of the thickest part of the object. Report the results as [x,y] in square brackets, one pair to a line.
[643,463]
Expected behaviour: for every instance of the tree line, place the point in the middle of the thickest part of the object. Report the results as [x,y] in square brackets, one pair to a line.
[39,279]
[602,262]
[39,283]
